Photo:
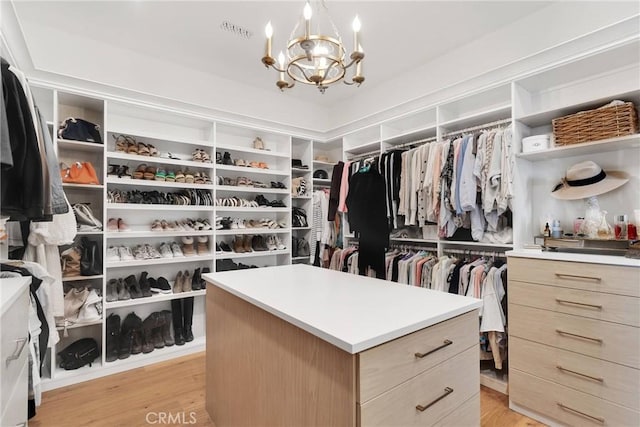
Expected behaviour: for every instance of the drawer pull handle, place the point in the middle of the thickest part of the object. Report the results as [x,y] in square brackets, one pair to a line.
[564,301]
[598,340]
[447,392]
[601,380]
[16,354]
[575,411]
[573,276]
[444,344]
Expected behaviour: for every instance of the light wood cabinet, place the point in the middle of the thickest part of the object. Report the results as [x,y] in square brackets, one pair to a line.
[575,341]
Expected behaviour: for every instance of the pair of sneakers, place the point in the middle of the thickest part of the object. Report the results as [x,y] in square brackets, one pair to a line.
[275,243]
[119,253]
[146,251]
[170,250]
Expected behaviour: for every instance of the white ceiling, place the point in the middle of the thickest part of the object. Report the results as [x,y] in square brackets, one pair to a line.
[397,36]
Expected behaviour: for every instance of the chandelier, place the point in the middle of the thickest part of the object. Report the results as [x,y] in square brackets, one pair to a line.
[315,59]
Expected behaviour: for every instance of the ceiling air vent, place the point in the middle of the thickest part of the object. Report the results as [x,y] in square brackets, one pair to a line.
[236,29]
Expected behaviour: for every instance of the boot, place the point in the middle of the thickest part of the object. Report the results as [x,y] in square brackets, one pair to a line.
[147,328]
[166,328]
[187,312]
[133,286]
[195,280]
[176,312]
[203,284]
[136,330]
[126,336]
[177,285]
[145,285]
[186,281]
[238,244]
[113,337]
[247,243]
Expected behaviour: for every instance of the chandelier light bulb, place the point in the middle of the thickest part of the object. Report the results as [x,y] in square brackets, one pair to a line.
[307,11]
[281,59]
[307,18]
[356,24]
[356,30]
[268,30]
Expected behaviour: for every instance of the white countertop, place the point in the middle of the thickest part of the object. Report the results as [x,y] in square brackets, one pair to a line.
[10,289]
[574,257]
[352,312]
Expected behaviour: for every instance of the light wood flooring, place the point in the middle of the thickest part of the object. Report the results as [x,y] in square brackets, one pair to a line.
[138,397]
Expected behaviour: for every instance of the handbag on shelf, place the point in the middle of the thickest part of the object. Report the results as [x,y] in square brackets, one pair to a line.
[303,247]
[79,353]
[74,299]
[79,173]
[79,130]
[298,217]
[91,259]
[85,219]
[70,260]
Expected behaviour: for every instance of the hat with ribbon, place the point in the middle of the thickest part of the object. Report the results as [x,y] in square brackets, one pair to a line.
[587,179]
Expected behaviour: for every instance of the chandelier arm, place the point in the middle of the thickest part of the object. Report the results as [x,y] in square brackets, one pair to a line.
[303,71]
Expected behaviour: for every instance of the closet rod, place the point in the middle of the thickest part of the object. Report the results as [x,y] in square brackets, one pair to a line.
[408,144]
[478,127]
[364,155]
[495,254]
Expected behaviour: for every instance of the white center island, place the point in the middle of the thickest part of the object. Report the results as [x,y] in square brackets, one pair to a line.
[299,346]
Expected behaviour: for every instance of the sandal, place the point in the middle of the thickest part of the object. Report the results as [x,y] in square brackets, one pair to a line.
[112,170]
[171,177]
[153,151]
[206,179]
[123,172]
[206,158]
[150,173]
[240,162]
[196,156]
[143,149]
[254,165]
[188,177]
[242,181]
[171,156]
[180,176]
[161,174]
[139,172]
[263,165]
[198,179]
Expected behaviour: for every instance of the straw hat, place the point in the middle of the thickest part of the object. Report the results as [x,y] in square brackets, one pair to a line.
[322,158]
[587,179]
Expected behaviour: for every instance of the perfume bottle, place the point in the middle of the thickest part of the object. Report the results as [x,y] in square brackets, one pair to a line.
[621,227]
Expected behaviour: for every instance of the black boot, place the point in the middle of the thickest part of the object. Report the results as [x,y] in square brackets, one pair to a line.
[176,311]
[133,287]
[195,280]
[136,330]
[145,286]
[187,307]
[113,337]
[147,327]
[166,328]
[203,284]
[126,337]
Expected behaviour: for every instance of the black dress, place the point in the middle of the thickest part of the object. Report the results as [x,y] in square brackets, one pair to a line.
[367,213]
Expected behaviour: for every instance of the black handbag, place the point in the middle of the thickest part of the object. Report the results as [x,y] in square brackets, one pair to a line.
[79,353]
[80,130]
[299,217]
[91,257]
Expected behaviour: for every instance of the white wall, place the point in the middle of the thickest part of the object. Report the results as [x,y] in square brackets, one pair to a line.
[541,30]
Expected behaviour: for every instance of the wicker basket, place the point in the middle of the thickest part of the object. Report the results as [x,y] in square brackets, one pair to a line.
[594,125]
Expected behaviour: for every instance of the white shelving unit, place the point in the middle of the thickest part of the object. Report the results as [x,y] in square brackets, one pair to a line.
[135,158]
[155,183]
[243,170]
[232,255]
[153,299]
[239,231]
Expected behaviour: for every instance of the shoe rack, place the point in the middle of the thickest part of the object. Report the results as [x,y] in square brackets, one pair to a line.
[251,166]
[302,150]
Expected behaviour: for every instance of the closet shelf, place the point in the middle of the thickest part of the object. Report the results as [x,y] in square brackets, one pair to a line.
[479,118]
[79,145]
[162,234]
[235,148]
[595,147]
[363,148]
[252,231]
[80,325]
[154,183]
[60,373]
[79,278]
[232,255]
[300,171]
[300,228]
[245,189]
[160,261]
[327,164]
[154,138]
[301,258]
[82,186]
[242,170]
[158,160]
[317,181]
[138,360]
[239,209]
[405,136]
[88,233]
[153,299]
[150,207]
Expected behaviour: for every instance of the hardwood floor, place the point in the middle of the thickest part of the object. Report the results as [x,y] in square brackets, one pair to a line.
[172,393]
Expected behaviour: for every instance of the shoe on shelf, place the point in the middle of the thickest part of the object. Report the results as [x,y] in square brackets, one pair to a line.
[123,292]
[112,290]
[186,281]
[135,325]
[145,285]
[122,225]
[156,225]
[126,337]
[258,144]
[133,287]
[177,284]
[171,176]
[203,245]
[279,244]
[258,243]
[238,244]
[147,327]
[187,246]
[113,337]
[113,254]
[166,328]
[271,243]
[165,250]
[226,158]
[195,280]
[175,248]
[112,224]
[112,170]
[125,253]
[139,253]
[246,242]
[161,286]
[224,247]
[152,252]
[203,283]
